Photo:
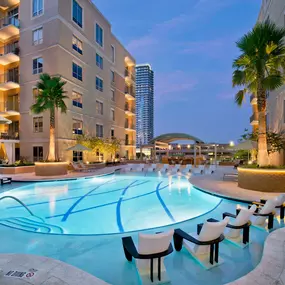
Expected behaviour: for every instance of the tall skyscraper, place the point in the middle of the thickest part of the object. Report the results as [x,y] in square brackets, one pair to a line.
[144,103]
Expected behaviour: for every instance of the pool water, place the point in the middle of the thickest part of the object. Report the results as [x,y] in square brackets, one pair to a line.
[105,205]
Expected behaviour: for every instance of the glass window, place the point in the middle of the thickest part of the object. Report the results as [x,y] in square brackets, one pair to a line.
[99,35]
[99,61]
[38,124]
[112,76]
[113,114]
[113,95]
[77,156]
[113,53]
[77,99]
[99,131]
[38,153]
[38,7]
[77,71]
[99,108]
[99,84]
[77,44]
[77,14]
[77,127]
[112,133]
[38,36]
[37,65]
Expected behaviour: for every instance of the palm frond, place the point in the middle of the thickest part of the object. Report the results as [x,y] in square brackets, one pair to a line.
[273,82]
[239,97]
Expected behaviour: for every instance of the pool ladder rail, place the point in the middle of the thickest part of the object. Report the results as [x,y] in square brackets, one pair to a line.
[31,224]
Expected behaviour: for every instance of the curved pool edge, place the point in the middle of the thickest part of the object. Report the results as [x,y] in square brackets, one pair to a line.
[271,267]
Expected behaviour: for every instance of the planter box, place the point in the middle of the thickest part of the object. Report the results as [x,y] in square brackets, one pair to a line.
[50,168]
[264,180]
[17,170]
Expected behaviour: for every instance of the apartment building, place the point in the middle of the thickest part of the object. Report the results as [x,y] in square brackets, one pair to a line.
[144,104]
[275,11]
[70,38]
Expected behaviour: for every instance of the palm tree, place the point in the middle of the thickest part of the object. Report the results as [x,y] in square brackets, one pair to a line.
[50,98]
[259,69]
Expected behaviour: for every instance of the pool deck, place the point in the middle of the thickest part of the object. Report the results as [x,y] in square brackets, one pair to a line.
[214,184]
[43,271]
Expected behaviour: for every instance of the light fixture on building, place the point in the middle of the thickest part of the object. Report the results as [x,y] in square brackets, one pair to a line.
[188,146]
[232,143]
[179,146]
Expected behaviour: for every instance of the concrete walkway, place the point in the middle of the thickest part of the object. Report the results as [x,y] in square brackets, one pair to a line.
[213,183]
[39,270]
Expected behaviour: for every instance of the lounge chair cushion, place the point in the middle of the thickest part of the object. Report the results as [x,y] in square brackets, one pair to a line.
[280,200]
[266,209]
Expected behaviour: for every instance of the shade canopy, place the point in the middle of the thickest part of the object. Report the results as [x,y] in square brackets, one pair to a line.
[171,137]
[246,145]
[79,147]
[4,121]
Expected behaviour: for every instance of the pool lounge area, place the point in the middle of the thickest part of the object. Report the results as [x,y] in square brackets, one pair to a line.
[81,222]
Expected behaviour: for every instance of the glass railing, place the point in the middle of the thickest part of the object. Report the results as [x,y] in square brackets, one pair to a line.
[10,105]
[10,136]
[6,21]
[129,91]
[130,108]
[10,76]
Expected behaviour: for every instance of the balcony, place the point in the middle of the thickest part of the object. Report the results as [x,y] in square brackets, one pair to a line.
[10,55]
[130,127]
[130,143]
[129,93]
[10,80]
[253,99]
[10,107]
[254,119]
[10,136]
[129,76]
[6,4]
[129,110]
[9,27]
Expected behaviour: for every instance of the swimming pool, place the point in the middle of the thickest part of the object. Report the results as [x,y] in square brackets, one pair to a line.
[105,205]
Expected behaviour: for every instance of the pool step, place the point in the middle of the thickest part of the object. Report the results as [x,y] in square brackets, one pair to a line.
[31,224]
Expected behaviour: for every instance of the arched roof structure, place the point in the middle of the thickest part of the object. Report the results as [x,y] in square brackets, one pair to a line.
[171,137]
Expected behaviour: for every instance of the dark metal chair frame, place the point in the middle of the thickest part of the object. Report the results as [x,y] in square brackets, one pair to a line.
[130,251]
[269,215]
[245,227]
[281,207]
[179,235]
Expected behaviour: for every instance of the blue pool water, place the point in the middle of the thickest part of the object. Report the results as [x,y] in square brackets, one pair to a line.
[104,205]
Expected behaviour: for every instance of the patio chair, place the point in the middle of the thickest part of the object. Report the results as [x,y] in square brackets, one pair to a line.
[152,168]
[139,167]
[196,170]
[85,166]
[237,231]
[264,213]
[78,168]
[201,168]
[164,168]
[203,246]
[128,168]
[149,255]
[174,170]
[187,169]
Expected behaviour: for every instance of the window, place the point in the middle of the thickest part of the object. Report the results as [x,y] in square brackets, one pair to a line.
[37,65]
[38,7]
[99,61]
[113,114]
[112,133]
[38,36]
[38,153]
[77,156]
[99,108]
[99,35]
[113,95]
[77,44]
[76,99]
[35,94]
[113,53]
[38,124]
[112,74]
[77,14]
[99,84]
[77,71]
[99,131]
[77,127]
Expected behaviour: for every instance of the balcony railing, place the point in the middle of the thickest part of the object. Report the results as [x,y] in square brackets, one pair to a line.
[130,108]
[10,76]
[9,136]
[10,105]
[4,22]
[129,74]
[130,126]
[129,91]
[129,142]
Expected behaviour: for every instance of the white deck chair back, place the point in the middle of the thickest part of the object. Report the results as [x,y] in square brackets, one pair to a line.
[266,209]
[149,244]
[280,200]
[242,218]
[210,231]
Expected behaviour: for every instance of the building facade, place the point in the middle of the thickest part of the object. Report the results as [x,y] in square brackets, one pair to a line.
[144,104]
[70,38]
[275,11]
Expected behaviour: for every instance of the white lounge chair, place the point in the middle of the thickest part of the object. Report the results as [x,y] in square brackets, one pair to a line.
[78,168]
[139,167]
[149,256]
[187,169]
[264,217]
[203,246]
[152,168]
[164,168]
[128,167]
[201,168]
[280,204]
[237,230]
[174,170]
[196,170]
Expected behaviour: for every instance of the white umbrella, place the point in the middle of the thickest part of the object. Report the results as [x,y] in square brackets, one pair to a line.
[4,121]
[79,147]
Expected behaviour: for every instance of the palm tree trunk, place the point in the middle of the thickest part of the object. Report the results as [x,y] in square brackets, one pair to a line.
[51,154]
[263,157]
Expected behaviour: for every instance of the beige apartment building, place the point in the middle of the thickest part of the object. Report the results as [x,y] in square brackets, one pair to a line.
[275,11]
[73,39]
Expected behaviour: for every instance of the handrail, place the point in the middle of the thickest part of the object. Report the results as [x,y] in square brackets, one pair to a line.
[19,201]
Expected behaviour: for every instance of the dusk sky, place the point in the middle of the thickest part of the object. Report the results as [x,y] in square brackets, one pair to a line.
[190,45]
